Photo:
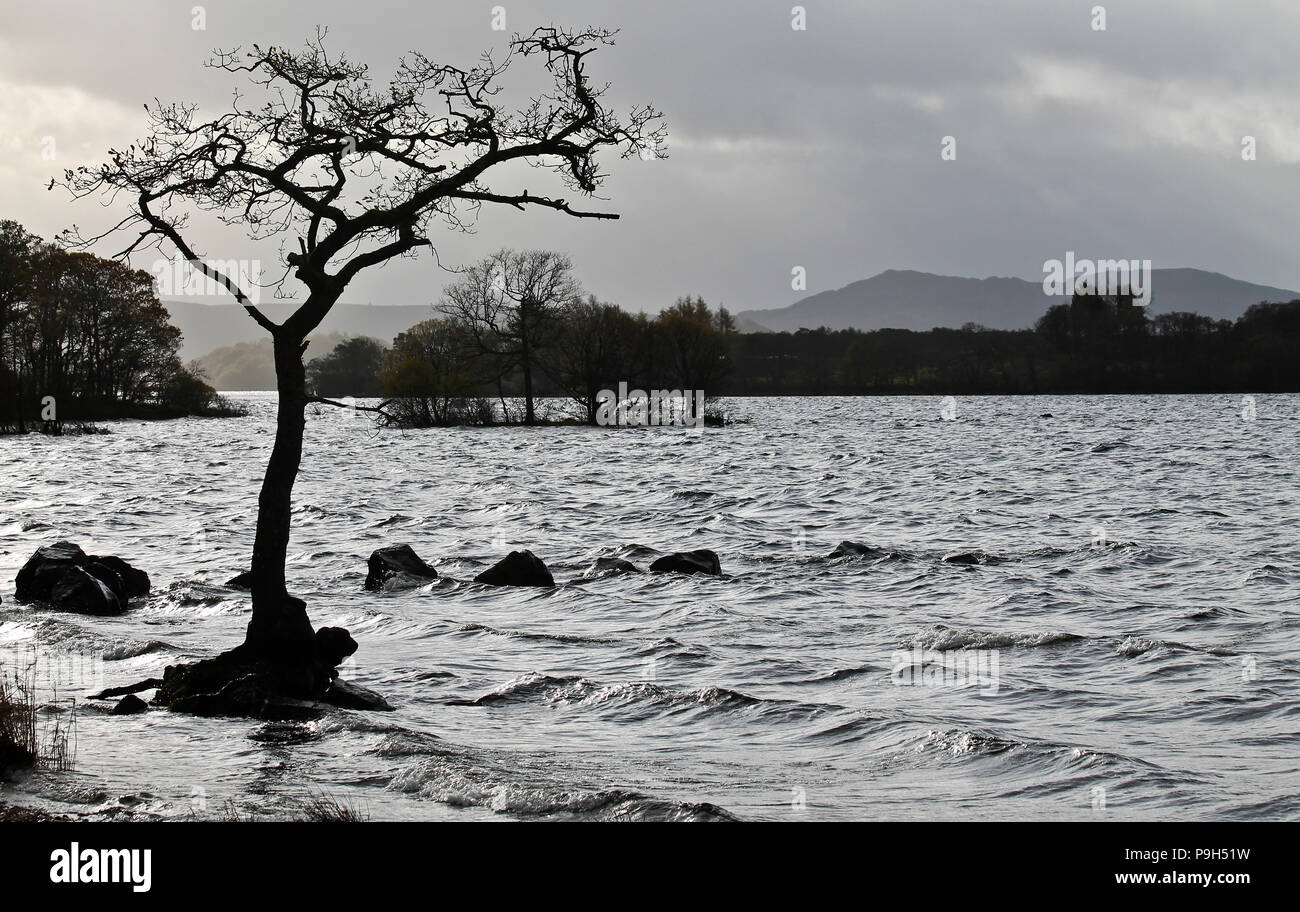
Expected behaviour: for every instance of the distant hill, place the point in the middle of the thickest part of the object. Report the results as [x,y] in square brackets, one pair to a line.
[904,299]
[211,326]
[251,365]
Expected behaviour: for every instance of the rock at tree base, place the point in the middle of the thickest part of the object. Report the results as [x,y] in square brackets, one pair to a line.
[333,645]
[700,561]
[518,568]
[129,705]
[353,696]
[236,683]
[245,682]
[241,581]
[393,561]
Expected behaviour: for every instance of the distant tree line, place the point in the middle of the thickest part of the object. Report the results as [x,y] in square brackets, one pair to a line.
[1092,344]
[516,326]
[84,338]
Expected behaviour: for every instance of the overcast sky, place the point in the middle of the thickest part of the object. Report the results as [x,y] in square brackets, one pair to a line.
[817,148]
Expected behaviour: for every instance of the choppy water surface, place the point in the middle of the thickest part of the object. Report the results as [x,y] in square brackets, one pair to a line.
[1139,594]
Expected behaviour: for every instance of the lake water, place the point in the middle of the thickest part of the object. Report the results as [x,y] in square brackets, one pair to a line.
[1129,647]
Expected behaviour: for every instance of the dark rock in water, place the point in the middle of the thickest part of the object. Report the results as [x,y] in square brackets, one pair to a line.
[333,645]
[848,548]
[353,696]
[518,568]
[241,581]
[43,569]
[393,560]
[50,570]
[77,590]
[129,705]
[1047,415]
[135,580]
[700,561]
[610,566]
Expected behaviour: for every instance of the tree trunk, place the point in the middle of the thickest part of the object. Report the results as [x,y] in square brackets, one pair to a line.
[280,629]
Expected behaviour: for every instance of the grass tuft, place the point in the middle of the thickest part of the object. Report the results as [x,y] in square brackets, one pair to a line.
[28,736]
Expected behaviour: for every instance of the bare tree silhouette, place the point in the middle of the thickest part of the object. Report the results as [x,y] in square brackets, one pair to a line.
[356,176]
[510,305]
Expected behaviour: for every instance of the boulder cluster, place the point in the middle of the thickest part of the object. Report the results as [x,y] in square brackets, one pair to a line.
[66,577]
[398,566]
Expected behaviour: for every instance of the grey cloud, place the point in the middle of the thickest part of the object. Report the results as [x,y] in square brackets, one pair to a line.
[816,148]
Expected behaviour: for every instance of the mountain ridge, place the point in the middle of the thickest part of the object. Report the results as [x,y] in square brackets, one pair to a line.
[912,299]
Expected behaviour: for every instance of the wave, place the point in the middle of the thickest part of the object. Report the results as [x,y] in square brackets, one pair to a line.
[566,638]
[942,637]
[1133,646]
[671,648]
[461,782]
[574,690]
[840,674]
[133,650]
[1109,445]
[26,629]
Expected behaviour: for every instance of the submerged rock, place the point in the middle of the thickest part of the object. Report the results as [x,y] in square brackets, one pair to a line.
[396,561]
[972,558]
[699,561]
[610,566]
[848,548]
[130,705]
[518,568]
[78,590]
